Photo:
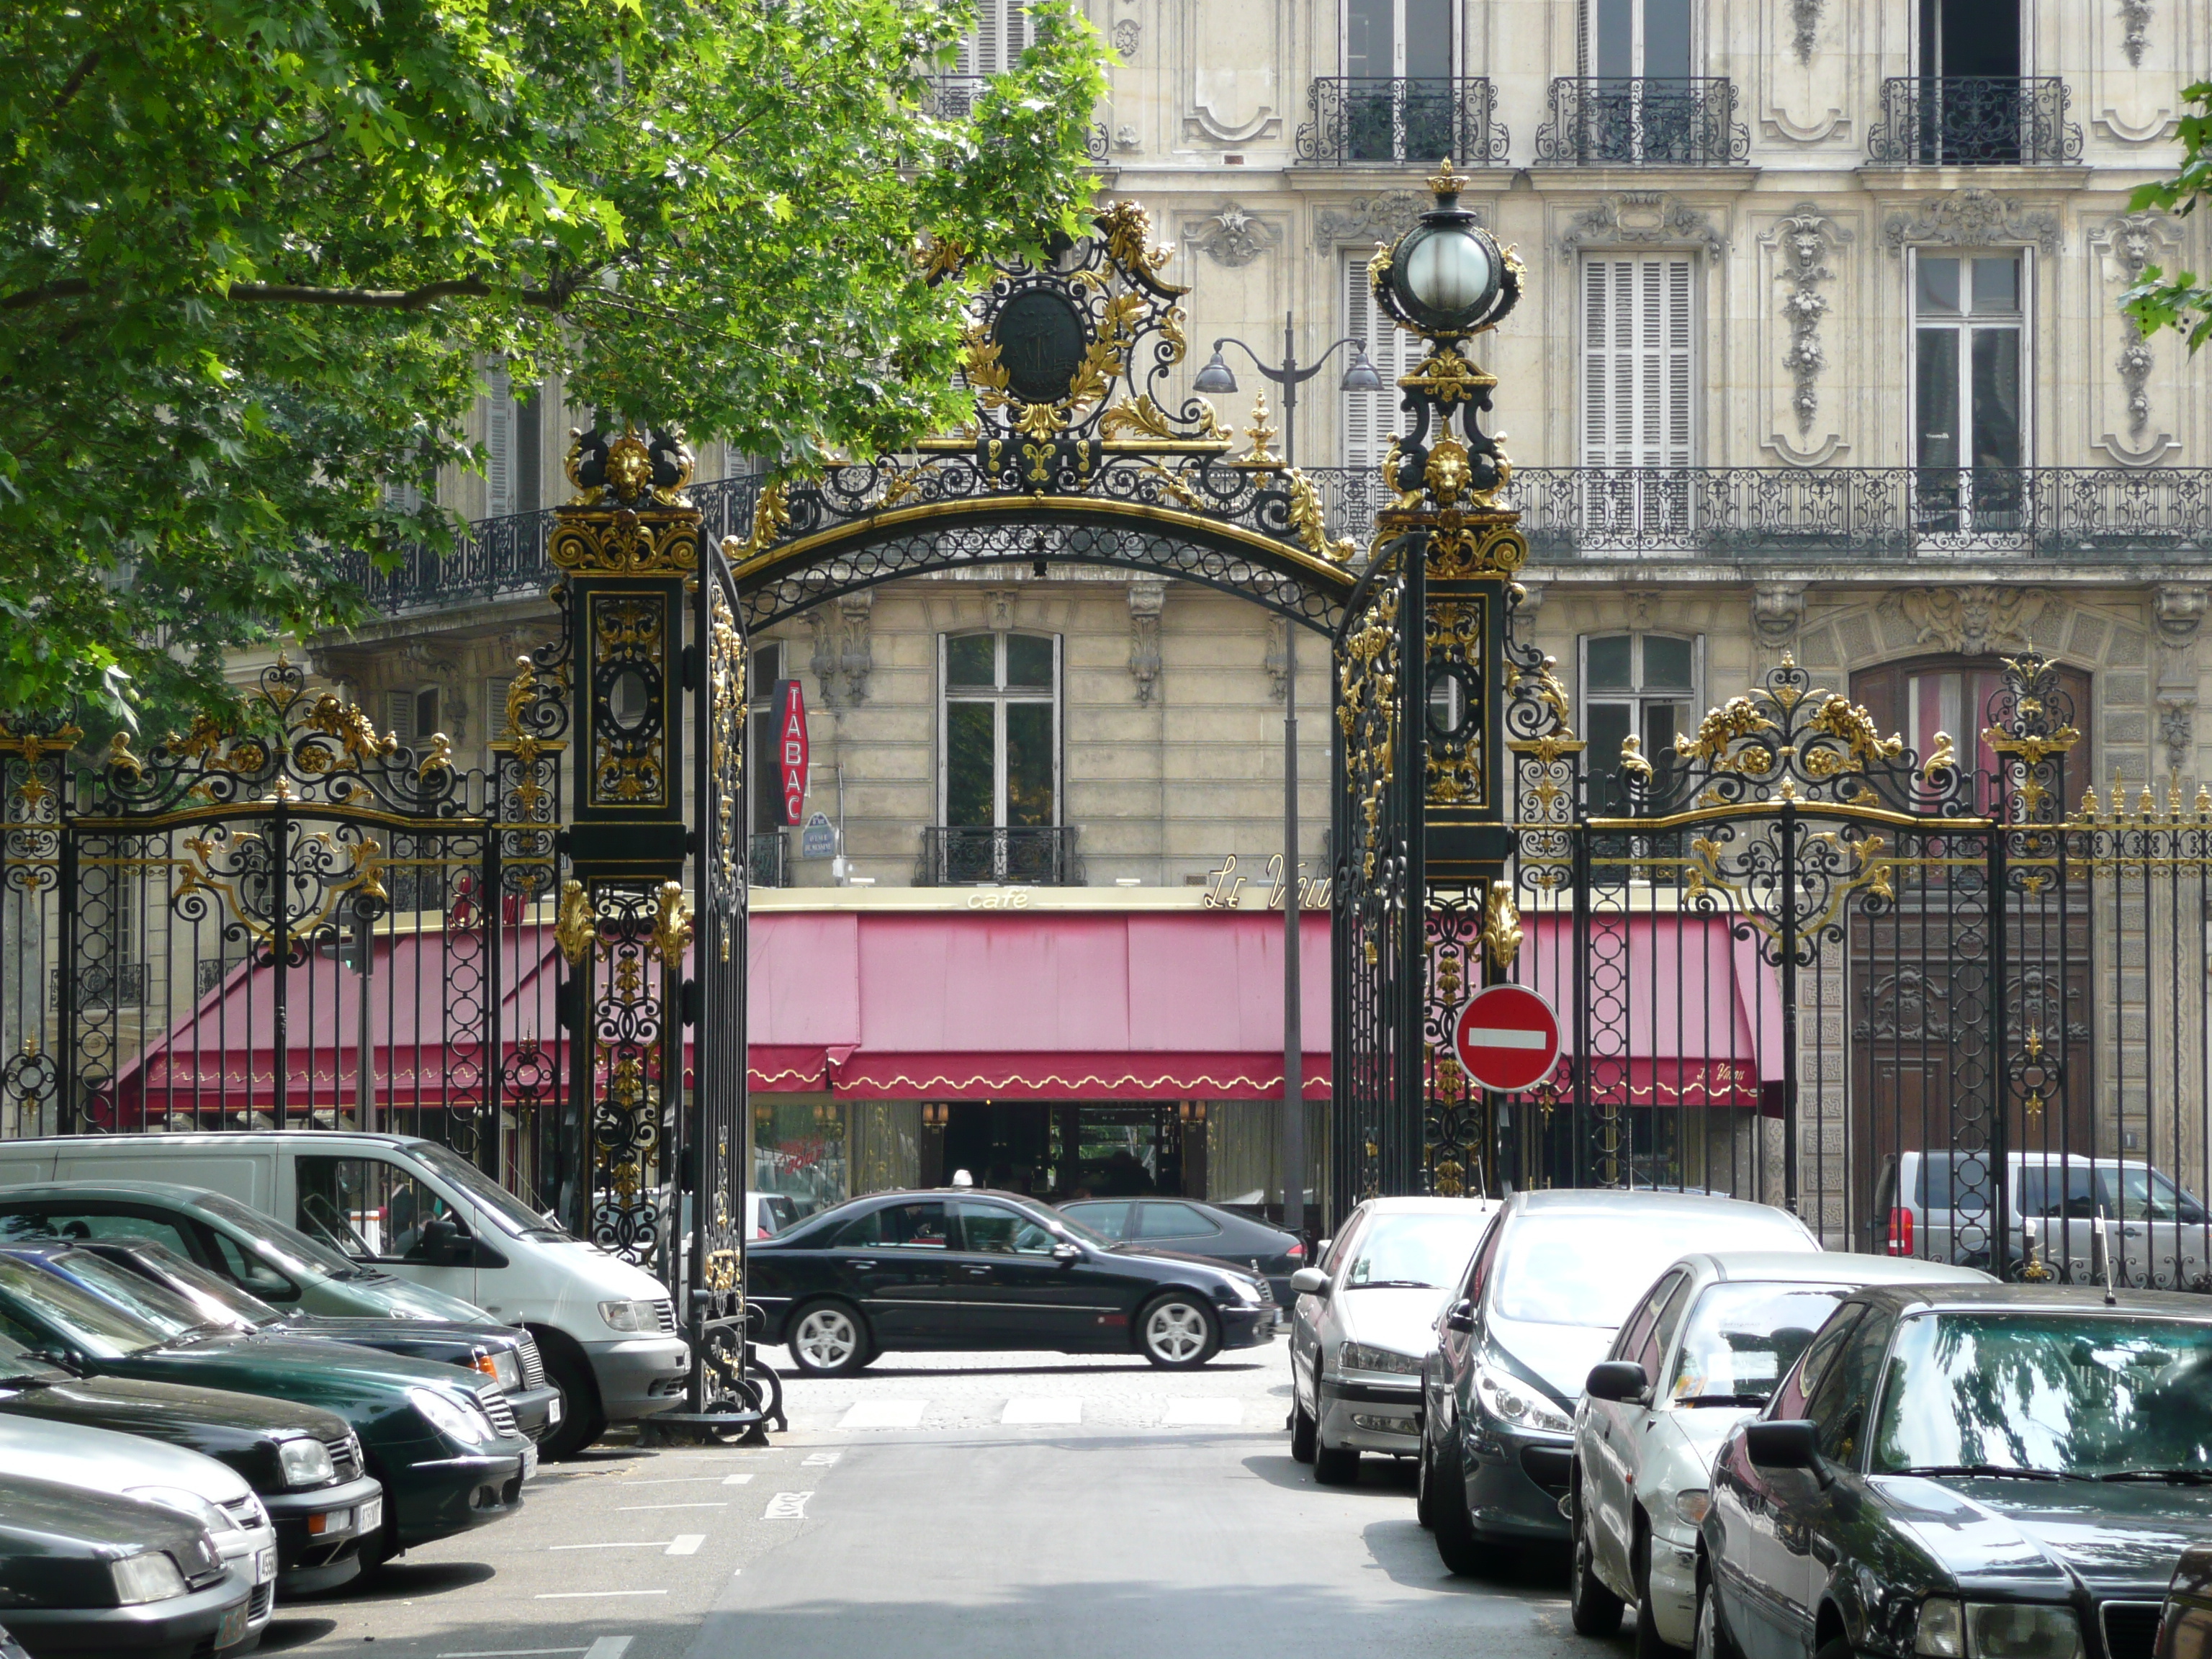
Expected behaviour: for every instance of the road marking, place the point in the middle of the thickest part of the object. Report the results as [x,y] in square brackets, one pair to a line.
[736,1480]
[639,1544]
[608,1647]
[884,1415]
[686,1543]
[818,1459]
[673,1479]
[521,1653]
[1203,1414]
[786,1506]
[1035,1408]
[589,1595]
[634,1509]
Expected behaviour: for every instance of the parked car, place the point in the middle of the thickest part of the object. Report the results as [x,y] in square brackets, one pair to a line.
[1190,1228]
[439,1440]
[95,1573]
[771,1212]
[2184,1624]
[402,1205]
[1557,1273]
[195,1486]
[505,1353]
[1972,1470]
[1362,1321]
[303,1463]
[1941,1206]
[964,1267]
[1702,1351]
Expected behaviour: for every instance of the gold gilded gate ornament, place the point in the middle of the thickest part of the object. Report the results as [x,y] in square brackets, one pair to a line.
[624,523]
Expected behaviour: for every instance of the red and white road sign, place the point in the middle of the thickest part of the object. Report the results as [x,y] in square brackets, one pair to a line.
[791,750]
[1507,1038]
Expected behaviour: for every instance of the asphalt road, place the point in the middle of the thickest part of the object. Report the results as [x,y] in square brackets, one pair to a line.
[977,1506]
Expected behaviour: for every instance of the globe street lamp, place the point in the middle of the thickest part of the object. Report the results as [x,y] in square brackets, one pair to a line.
[1216,380]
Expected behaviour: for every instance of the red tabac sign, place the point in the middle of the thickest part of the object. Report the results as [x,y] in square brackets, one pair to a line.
[790,749]
[1508,1038]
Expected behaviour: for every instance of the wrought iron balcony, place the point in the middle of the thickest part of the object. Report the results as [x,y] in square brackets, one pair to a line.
[1638,121]
[766,865]
[1362,118]
[104,984]
[957,855]
[2096,515]
[952,97]
[1974,120]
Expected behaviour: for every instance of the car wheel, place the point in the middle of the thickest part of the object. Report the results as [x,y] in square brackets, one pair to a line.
[581,1421]
[1334,1466]
[1711,1641]
[1424,1486]
[1460,1550]
[1837,1647]
[1649,1645]
[1595,1609]
[829,1339]
[1303,1431]
[1178,1333]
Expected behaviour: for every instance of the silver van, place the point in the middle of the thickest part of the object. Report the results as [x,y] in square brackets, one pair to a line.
[1943,1207]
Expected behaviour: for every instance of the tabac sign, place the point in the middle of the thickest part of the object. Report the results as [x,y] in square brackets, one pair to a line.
[790,749]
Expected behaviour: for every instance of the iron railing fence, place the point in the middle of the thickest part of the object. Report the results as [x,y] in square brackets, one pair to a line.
[1974,120]
[959,856]
[952,97]
[1642,121]
[1359,119]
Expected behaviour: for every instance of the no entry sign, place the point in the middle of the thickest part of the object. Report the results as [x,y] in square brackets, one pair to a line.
[1507,1038]
[790,749]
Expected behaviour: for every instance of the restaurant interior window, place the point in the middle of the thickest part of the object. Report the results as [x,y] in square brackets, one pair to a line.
[1641,683]
[1969,380]
[1000,731]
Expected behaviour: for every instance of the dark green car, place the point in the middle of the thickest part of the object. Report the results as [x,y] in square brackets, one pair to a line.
[442,1441]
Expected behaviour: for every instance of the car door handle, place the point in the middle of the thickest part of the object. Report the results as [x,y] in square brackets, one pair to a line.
[979,1273]
[865,1267]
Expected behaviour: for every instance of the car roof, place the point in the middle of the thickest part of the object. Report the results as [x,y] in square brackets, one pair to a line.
[2022,1298]
[1831,1267]
[1605,1200]
[216,1138]
[1430,1206]
[168,1191]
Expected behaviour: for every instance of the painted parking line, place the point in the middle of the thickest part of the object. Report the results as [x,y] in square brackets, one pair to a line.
[786,1506]
[1203,1414]
[736,1480]
[1041,1409]
[607,1647]
[634,1509]
[589,1596]
[884,1415]
[638,1544]
[686,1543]
[821,1460]
[672,1480]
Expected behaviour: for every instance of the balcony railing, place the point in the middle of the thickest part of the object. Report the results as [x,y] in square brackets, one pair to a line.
[767,867]
[1974,120]
[2097,515]
[1361,119]
[1635,121]
[955,855]
[952,97]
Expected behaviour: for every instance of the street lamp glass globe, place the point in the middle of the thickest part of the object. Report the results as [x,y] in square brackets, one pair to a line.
[1449,273]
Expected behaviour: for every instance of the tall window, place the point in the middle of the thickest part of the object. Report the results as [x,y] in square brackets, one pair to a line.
[412,716]
[1969,38]
[1002,30]
[1969,409]
[514,481]
[1371,418]
[1398,40]
[1646,39]
[1641,683]
[1916,700]
[1001,731]
[764,781]
[1638,362]
[1398,95]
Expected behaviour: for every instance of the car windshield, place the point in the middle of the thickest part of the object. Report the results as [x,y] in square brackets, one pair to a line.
[1412,1251]
[485,1191]
[1082,1230]
[216,1298]
[1590,1268]
[2082,1394]
[290,1248]
[99,1328]
[18,1365]
[1742,1340]
[158,1306]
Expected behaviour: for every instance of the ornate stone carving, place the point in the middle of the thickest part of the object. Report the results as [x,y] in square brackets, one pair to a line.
[2178,613]
[1638,218]
[2132,241]
[1805,22]
[1777,611]
[844,648]
[2177,730]
[1148,597]
[1371,219]
[1127,34]
[1971,217]
[2134,23]
[1803,242]
[1125,137]
[1232,237]
[2178,609]
[1973,620]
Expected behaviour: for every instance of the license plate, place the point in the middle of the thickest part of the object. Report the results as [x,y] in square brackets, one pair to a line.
[553,1411]
[265,1565]
[232,1630]
[529,1461]
[370,1516]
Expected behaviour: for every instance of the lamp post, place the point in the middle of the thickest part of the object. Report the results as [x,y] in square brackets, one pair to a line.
[1215,378]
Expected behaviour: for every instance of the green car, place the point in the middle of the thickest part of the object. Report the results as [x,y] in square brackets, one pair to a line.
[442,1440]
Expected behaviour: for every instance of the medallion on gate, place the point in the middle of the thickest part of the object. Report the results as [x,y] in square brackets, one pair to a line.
[1041,340]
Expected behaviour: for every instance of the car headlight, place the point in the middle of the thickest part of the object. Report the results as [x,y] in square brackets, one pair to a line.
[1942,1633]
[1693,1505]
[454,1419]
[150,1577]
[306,1462]
[1511,1401]
[500,1367]
[2012,1629]
[631,1316]
[1362,1357]
[211,1516]
[1246,1292]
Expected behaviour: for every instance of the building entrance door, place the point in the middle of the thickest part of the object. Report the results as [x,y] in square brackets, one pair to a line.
[1055,1150]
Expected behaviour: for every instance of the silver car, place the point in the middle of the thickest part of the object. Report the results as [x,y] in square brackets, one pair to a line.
[1362,1321]
[1702,1350]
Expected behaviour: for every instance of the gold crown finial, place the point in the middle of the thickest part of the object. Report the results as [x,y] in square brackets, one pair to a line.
[1447,180]
[1261,434]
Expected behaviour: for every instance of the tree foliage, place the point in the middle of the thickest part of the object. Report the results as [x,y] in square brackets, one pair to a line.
[2180,302]
[252,253]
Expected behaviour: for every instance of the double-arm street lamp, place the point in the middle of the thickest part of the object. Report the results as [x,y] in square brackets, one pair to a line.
[1215,380]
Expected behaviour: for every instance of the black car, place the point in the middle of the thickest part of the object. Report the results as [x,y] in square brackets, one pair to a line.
[302,1462]
[505,1353]
[84,1572]
[1190,1228]
[1970,1470]
[967,1268]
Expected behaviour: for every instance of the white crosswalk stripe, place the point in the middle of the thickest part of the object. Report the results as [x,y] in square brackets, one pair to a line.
[884,1415]
[786,1506]
[686,1543]
[1043,1408]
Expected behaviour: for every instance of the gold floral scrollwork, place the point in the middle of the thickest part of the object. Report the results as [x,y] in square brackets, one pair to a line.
[1128,231]
[121,760]
[519,691]
[1306,520]
[1943,758]
[771,517]
[439,757]
[1719,732]
[1631,757]
[1138,414]
[1863,745]
[359,741]
[671,926]
[578,923]
[1449,378]
[1501,929]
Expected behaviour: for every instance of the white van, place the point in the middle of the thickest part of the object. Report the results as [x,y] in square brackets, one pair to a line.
[607,1330]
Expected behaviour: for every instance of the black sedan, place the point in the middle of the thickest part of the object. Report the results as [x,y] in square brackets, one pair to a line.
[964,1268]
[1190,1228]
[84,1572]
[1965,1470]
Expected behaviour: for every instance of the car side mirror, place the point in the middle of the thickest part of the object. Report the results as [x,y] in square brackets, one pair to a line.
[1310,1281]
[1067,1252]
[1788,1444]
[445,1245]
[60,1359]
[1621,1380]
[1461,1316]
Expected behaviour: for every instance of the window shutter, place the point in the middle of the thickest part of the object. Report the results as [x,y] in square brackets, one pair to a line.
[1016,36]
[1638,393]
[495,691]
[499,444]
[989,16]
[1371,418]
[399,715]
